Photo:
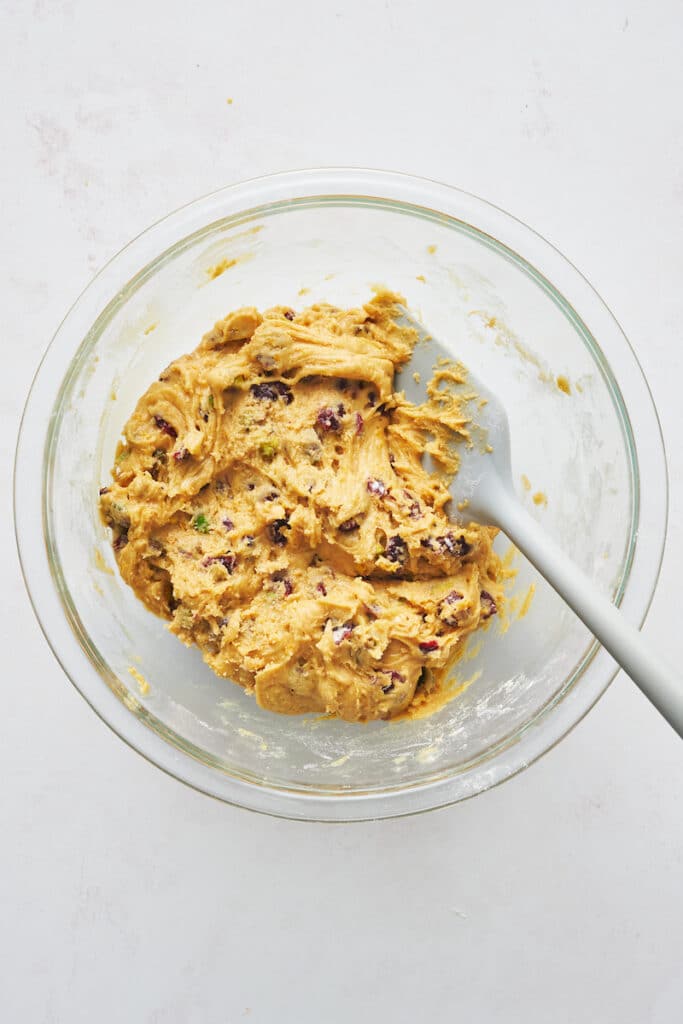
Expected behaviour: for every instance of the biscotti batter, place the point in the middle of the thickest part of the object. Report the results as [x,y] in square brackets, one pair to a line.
[269,499]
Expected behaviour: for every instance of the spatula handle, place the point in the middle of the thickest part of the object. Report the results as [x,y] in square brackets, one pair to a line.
[660,684]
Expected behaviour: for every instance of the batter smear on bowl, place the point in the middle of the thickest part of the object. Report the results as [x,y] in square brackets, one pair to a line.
[270,500]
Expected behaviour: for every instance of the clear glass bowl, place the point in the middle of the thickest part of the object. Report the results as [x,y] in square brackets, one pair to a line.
[511,307]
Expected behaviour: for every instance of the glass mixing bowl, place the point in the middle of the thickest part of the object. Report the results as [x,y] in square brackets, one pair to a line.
[508,305]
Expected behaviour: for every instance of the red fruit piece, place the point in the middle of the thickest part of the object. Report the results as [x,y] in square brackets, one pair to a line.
[328,419]
[271,390]
[275,531]
[447,606]
[227,561]
[340,633]
[394,677]
[281,576]
[396,550]
[165,427]
[454,545]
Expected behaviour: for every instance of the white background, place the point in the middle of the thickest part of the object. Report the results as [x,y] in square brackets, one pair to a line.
[125,896]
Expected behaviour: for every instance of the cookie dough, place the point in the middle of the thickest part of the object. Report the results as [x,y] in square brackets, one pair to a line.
[269,499]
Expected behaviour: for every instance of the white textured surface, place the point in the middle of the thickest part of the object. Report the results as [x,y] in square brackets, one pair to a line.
[125,896]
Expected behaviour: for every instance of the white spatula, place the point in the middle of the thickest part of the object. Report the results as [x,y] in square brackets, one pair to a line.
[484,482]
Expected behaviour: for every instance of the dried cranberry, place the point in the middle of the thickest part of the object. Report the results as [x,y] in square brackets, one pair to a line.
[454,546]
[181,455]
[429,543]
[449,614]
[428,645]
[165,427]
[272,390]
[320,587]
[488,605]
[288,314]
[284,391]
[349,526]
[414,510]
[395,677]
[327,419]
[341,410]
[228,523]
[340,633]
[275,531]
[281,576]
[104,490]
[396,550]
[359,424]
[376,486]
[227,561]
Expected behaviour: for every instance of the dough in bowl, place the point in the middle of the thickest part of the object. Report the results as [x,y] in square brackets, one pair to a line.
[269,500]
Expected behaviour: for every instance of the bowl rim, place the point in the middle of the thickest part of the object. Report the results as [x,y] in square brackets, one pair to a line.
[640,579]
